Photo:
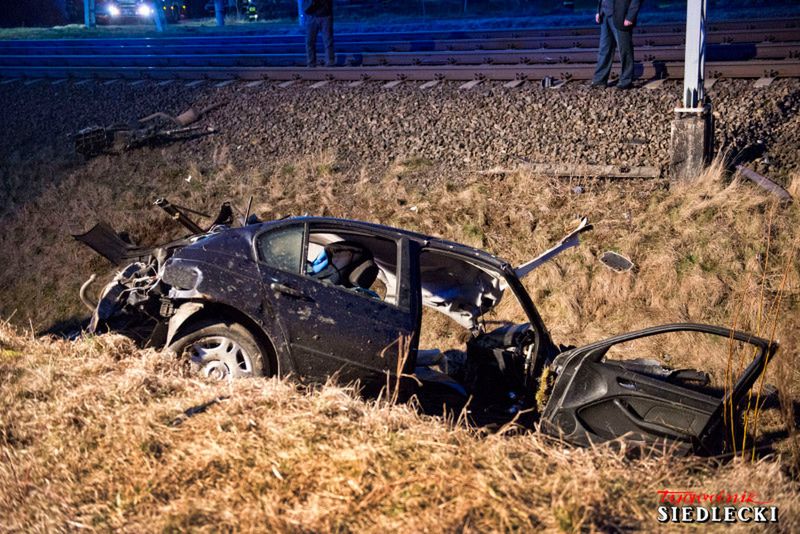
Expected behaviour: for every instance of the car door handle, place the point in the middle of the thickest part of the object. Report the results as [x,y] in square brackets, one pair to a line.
[286,290]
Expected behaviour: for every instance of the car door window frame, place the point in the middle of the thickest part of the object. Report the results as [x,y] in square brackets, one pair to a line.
[259,235]
[332,229]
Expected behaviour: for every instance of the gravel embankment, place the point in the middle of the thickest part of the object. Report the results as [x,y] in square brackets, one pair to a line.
[371,126]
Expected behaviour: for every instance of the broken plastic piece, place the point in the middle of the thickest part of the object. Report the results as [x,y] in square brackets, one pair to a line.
[104,240]
[570,240]
[616,262]
[765,183]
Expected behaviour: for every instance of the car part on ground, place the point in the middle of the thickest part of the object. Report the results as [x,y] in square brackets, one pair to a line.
[616,261]
[316,297]
[157,128]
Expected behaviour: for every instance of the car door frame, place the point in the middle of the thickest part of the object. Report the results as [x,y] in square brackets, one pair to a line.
[408,298]
[544,348]
[561,414]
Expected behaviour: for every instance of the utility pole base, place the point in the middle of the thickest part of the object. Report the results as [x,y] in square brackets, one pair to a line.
[691,143]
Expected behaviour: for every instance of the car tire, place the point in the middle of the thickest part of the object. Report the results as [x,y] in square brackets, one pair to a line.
[221,350]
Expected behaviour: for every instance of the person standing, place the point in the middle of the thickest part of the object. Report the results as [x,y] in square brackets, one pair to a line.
[319,18]
[616,18]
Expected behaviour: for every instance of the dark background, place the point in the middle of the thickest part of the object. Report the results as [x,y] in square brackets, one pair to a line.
[56,12]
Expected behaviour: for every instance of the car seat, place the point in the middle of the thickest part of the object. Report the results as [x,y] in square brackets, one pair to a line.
[346,264]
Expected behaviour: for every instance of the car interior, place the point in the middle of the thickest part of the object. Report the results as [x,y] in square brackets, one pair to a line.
[363,264]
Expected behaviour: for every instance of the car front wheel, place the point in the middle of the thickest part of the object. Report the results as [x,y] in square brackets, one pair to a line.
[220,350]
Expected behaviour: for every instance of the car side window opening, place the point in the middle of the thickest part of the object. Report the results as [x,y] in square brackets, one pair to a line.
[476,346]
[458,288]
[365,265]
[282,248]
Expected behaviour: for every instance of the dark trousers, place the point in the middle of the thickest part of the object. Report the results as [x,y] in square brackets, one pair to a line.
[315,25]
[610,38]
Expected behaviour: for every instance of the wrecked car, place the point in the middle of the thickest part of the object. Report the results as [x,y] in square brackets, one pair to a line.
[315,297]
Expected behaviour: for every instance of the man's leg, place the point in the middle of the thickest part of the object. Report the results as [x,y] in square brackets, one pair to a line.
[311,41]
[625,43]
[327,39]
[605,53]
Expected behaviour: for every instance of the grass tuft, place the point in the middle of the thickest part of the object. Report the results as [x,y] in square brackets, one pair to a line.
[94,434]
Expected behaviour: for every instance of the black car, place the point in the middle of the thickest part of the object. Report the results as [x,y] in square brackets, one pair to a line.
[315,297]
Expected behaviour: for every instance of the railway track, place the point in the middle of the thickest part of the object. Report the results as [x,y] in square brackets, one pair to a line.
[743,49]
[128,47]
[583,71]
[764,51]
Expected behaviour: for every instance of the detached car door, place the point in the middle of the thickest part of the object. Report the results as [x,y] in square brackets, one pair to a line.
[332,330]
[596,399]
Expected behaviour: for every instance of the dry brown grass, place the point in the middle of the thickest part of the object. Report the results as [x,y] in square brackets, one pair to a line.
[98,435]
[86,433]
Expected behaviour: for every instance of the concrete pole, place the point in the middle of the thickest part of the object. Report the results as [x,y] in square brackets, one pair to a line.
[695,58]
[159,17]
[301,16]
[89,13]
[692,136]
[219,12]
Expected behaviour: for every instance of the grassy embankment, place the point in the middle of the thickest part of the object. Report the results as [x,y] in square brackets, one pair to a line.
[92,434]
[96,434]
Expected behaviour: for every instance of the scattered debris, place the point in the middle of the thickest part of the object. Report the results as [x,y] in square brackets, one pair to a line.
[470,84]
[548,82]
[514,83]
[598,171]
[195,410]
[765,183]
[765,81]
[655,84]
[152,129]
[616,262]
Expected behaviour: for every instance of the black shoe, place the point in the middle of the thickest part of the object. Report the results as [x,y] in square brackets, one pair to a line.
[599,85]
[624,87]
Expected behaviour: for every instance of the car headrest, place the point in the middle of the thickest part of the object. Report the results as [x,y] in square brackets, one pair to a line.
[349,264]
[364,275]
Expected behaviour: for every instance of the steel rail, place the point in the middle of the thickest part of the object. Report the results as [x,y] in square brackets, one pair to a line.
[589,42]
[750,69]
[731,52]
[763,25]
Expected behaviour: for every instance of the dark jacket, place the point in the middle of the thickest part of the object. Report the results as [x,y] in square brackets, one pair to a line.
[623,9]
[319,8]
